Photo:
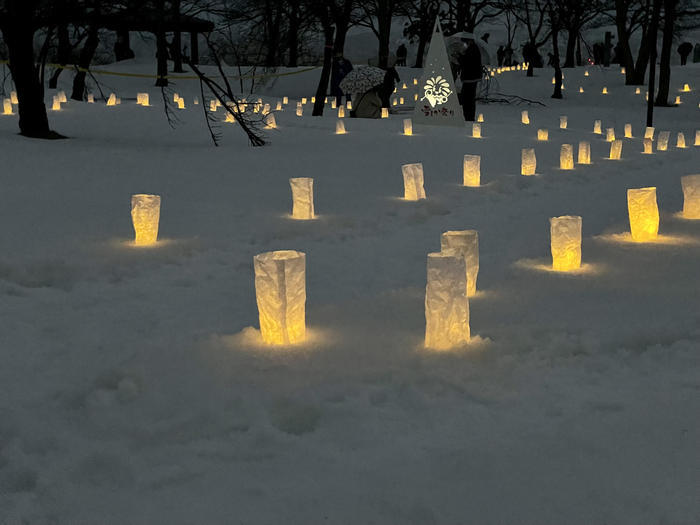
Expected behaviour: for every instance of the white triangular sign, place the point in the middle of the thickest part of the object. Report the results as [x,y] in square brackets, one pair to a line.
[437,94]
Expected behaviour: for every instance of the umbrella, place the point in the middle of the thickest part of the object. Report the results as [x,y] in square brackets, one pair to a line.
[362,79]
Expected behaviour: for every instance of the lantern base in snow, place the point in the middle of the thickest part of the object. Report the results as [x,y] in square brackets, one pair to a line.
[584,152]
[643,214]
[145,216]
[302,198]
[466,243]
[472,170]
[566,157]
[476,130]
[691,196]
[280,292]
[616,149]
[565,235]
[407,126]
[542,135]
[528,163]
[446,302]
[413,182]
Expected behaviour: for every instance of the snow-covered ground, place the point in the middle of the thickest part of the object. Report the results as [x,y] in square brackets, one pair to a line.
[135,390]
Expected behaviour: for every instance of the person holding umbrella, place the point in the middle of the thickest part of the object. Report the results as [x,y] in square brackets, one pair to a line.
[470,73]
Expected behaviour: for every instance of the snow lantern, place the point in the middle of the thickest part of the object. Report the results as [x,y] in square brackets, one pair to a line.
[686,88]
[598,127]
[394,102]
[413,189]
[637,91]
[13,97]
[176,97]
[266,109]
[91,98]
[565,241]
[466,243]
[610,134]
[476,130]
[302,198]
[142,99]
[628,131]
[678,100]
[62,98]
[278,107]
[303,101]
[680,140]
[472,170]
[480,117]
[313,100]
[145,216]
[300,110]
[407,126]
[622,71]
[212,106]
[446,302]
[180,103]
[415,81]
[643,214]
[7,107]
[270,121]
[341,111]
[401,101]
[648,146]
[112,100]
[605,91]
[691,196]
[697,137]
[348,105]
[542,135]
[580,89]
[285,100]
[385,112]
[585,73]
[340,127]
[566,157]
[334,104]
[662,140]
[649,132]
[584,152]
[524,117]
[280,292]
[563,122]
[616,149]
[56,105]
[528,163]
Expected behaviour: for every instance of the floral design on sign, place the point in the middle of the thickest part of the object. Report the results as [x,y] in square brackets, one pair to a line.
[436,91]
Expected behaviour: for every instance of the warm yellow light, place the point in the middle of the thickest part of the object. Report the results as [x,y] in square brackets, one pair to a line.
[341,111]
[610,134]
[407,126]
[528,161]
[91,98]
[691,196]
[584,152]
[340,127]
[348,104]
[616,149]
[62,98]
[404,86]
[542,135]
[637,91]
[598,127]
[393,102]
[13,97]
[580,89]
[401,100]
[56,106]
[278,107]
[476,130]
[524,117]
[566,157]
[628,131]
[270,121]
[196,101]
[415,97]
[145,216]
[280,292]
[229,118]
[565,237]
[180,103]
[686,88]
[563,122]
[302,198]
[7,107]
[649,132]
[313,100]
[415,81]
[446,302]
[266,109]
[300,110]
[334,103]
[680,140]
[697,137]
[643,214]
[480,118]
[662,140]
[648,146]
[472,170]
[176,97]
[142,99]
[622,70]
[112,100]
[605,91]
[385,112]
[413,188]
[678,100]
[285,100]
[303,101]
[553,80]
[466,243]
[585,74]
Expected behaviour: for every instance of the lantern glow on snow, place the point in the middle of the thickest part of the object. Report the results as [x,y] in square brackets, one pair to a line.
[413,182]
[302,198]
[565,240]
[145,217]
[643,214]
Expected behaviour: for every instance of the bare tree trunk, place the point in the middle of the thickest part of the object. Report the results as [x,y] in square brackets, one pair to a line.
[18,33]
[293,24]
[384,15]
[177,39]
[422,42]
[86,56]
[63,55]
[571,48]
[161,45]
[653,30]
[557,68]
[667,43]
[322,88]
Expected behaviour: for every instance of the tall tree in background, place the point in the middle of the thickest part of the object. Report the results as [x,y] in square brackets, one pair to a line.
[666,49]
[421,18]
[555,27]
[378,15]
[533,14]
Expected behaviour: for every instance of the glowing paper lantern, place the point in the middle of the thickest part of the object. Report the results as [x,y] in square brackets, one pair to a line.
[91,98]
[415,97]
[584,152]
[637,91]
[446,302]
[62,98]
[563,122]
[403,86]
[270,121]
[266,109]
[385,112]
[300,110]
[648,146]
[401,100]
[145,216]
[610,134]
[341,111]
[472,170]
[565,242]
[285,100]
[302,198]
[628,131]
[413,189]
[662,140]
[280,292]
[333,103]
[196,101]
[303,101]
[393,102]
[524,117]
[212,106]
[680,140]
[697,137]
[476,130]
[56,106]
[686,88]
[616,149]
[542,135]
[622,70]
[678,100]
[13,97]
[566,157]
[466,243]
[112,100]
[7,107]
[340,127]
[580,89]
[348,104]
[407,126]
[605,91]
[278,107]
[691,196]
[649,132]
[480,118]
[143,99]
[180,103]
[415,81]
[643,214]
[313,100]
[598,127]
[585,74]
[528,163]
[176,97]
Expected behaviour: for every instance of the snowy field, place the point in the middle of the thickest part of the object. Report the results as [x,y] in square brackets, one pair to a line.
[135,389]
